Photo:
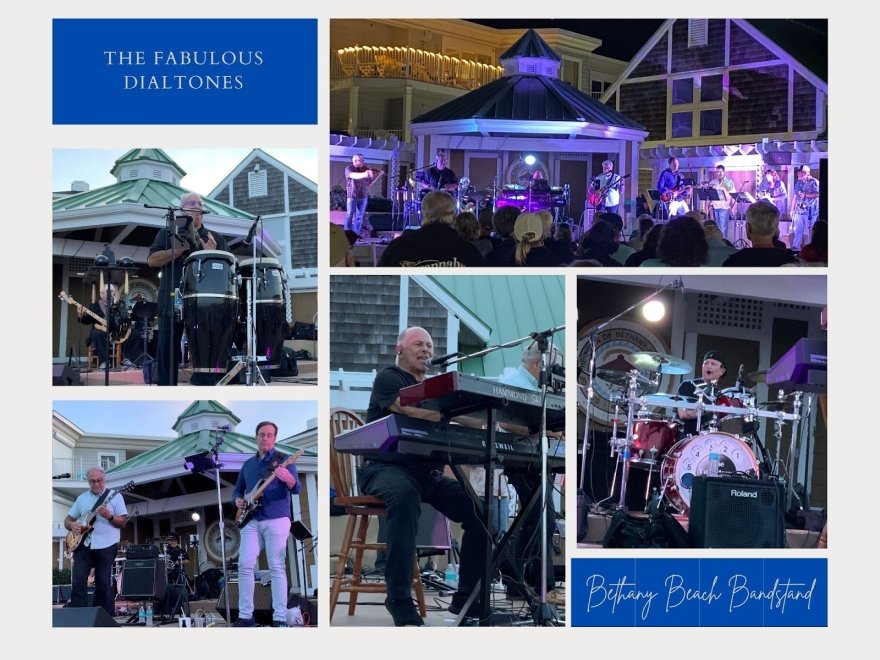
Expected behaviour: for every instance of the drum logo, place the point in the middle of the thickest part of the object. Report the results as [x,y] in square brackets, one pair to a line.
[613,345]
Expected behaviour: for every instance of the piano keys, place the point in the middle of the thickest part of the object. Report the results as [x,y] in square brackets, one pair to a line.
[453,393]
[450,444]
[804,367]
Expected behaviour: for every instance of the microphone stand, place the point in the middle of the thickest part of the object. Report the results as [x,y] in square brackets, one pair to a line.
[215,457]
[170,232]
[542,612]
[591,370]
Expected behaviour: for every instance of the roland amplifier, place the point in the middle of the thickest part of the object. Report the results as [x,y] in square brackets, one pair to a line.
[730,512]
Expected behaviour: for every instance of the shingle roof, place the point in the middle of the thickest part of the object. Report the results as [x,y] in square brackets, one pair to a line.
[806,44]
[529,97]
[530,45]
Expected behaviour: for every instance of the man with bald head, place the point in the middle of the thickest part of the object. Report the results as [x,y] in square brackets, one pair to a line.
[404,482]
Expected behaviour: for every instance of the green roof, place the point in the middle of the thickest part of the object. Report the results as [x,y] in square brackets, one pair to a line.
[155,155]
[513,306]
[204,406]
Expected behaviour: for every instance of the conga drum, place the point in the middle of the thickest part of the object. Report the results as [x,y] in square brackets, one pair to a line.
[271,314]
[210,308]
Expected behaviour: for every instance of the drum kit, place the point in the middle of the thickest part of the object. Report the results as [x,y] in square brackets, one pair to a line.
[228,304]
[651,438]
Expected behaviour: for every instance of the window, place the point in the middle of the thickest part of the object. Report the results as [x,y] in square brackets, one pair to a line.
[711,88]
[682,124]
[710,122]
[108,461]
[257,185]
[682,91]
[597,88]
[571,72]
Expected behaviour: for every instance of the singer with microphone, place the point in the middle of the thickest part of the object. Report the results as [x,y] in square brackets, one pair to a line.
[439,176]
[168,252]
[404,481]
[721,209]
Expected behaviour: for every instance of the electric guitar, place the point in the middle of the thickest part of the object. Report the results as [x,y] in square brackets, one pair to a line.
[676,193]
[87,520]
[101,322]
[252,497]
[598,196]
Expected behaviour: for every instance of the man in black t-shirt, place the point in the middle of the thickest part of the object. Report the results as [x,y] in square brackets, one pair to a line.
[439,177]
[405,482]
[712,370]
[436,243]
[762,226]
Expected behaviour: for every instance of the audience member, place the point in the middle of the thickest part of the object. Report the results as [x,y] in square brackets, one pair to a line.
[762,225]
[599,244]
[504,221]
[682,244]
[719,249]
[621,251]
[561,243]
[530,251]
[815,253]
[637,240]
[649,247]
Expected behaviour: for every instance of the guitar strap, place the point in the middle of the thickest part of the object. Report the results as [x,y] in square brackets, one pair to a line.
[100,500]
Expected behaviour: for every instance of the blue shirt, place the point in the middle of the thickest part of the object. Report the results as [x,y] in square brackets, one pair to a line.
[275,501]
[521,378]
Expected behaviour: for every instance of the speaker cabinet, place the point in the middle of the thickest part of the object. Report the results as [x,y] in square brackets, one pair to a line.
[262,603]
[143,579]
[82,617]
[737,513]
[62,374]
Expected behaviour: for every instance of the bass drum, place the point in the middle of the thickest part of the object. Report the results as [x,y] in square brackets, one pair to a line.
[689,458]
[213,547]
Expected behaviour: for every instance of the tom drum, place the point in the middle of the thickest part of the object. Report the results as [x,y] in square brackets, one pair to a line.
[271,307]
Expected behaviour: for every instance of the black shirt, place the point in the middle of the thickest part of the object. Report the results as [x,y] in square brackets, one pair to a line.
[435,244]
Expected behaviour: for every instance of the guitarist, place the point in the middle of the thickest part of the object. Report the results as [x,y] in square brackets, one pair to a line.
[97,337]
[721,209]
[671,187]
[98,549]
[608,186]
[269,526]
[439,176]
[358,179]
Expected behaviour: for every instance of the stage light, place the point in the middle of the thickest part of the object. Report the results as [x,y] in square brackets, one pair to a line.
[530,160]
[653,311]
[195,516]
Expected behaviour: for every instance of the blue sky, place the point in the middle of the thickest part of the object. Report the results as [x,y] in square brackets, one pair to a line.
[157,417]
[205,168]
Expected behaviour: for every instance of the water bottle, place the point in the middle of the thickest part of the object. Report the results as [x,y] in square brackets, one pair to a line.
[142,617]
[451,575]
[150,614]
[714,463]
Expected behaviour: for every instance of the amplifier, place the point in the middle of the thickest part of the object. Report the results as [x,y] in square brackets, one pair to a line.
[730,512]
[144,551]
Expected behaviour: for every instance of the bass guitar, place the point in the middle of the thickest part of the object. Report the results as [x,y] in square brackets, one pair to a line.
[87,520]
[252,497]
[116,323]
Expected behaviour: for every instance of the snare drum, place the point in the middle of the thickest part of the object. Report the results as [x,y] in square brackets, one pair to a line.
[210,308]
[652,434]
[271,318]
[689,458]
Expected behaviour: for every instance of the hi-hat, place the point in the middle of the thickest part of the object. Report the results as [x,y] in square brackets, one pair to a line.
[664,364]
[621,378]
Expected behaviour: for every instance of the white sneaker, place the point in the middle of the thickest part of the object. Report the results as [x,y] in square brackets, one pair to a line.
[103,366]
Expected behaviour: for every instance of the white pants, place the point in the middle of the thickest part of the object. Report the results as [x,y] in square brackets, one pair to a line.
[272,535]
[677,207]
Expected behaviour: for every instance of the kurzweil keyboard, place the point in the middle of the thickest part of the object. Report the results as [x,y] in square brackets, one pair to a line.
[803,367]
[444,443]
[454,393]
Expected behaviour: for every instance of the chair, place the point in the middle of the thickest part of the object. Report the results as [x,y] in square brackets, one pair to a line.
[115,347]
[359,509]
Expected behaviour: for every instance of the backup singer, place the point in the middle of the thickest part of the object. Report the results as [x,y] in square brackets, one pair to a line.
[169,252]
[804,205]
[403,482]
[269,526]
[607,187]
[98,550]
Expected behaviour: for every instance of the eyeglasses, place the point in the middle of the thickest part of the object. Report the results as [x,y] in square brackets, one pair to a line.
[96,481]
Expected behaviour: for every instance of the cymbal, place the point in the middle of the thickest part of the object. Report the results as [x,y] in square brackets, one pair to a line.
[664,364]
[620,378]
[513,186]
[758,376]
[668,400]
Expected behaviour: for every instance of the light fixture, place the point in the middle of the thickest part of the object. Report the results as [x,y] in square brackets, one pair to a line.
[653,311]
[530,160]
[195,516]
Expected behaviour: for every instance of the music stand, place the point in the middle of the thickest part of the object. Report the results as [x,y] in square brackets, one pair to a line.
[709,194]
[660,208]
[145,311]
[301,533]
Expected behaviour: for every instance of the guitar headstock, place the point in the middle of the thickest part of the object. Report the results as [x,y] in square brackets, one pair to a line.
[127,487]
[66,298]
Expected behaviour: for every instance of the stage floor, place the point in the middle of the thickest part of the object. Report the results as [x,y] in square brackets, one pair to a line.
[308,375]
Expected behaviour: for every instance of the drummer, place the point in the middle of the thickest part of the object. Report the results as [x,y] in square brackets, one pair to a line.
[176,558]
[711,372]
[168,252]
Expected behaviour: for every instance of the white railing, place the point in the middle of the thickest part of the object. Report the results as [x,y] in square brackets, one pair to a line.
[411,63]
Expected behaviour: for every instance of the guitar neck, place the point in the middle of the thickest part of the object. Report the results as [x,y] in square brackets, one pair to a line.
[66,298]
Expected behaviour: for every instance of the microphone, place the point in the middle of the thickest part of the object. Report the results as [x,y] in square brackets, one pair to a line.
[63,475]
[443,358]
[253,230]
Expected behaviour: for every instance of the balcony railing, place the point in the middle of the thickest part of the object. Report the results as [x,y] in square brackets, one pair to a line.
[411,63]
[76,467]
